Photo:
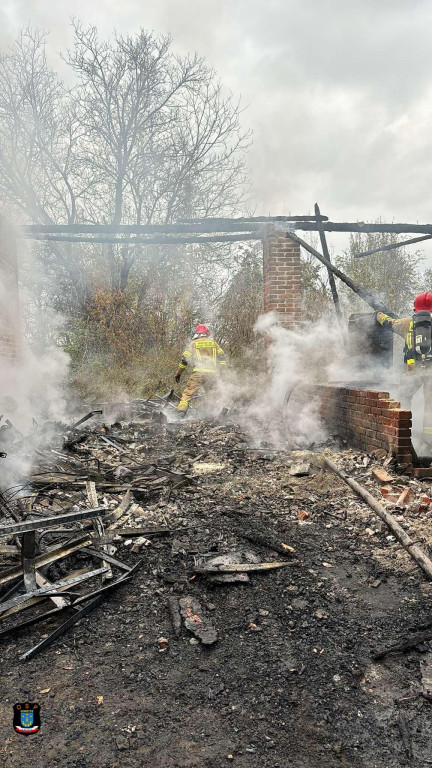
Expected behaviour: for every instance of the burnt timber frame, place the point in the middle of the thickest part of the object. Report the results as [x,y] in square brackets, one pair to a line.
[226,230]
[196,229]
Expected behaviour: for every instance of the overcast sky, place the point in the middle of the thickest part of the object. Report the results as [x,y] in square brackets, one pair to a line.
[339,92]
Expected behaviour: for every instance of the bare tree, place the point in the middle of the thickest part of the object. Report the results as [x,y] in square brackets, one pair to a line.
[40,174]
[143,136]
[159,135]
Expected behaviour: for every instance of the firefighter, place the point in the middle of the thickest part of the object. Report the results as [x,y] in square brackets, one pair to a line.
[207,359]
[416,375]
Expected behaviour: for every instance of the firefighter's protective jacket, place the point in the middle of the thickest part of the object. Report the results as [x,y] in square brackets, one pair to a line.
[205,355]
[403,326]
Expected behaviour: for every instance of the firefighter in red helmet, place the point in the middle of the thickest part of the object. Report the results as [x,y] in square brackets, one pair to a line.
[418,370]
[207,360]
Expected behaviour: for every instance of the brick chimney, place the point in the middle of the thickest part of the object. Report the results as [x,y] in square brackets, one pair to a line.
[282,276]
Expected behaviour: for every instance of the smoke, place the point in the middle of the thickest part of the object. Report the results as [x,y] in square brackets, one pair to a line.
[256,395]
[33,381]
[283,414]
[279,410]
[33,388]
[32,393]
[317,353]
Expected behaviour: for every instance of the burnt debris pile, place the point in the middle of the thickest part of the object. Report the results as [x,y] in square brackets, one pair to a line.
[175,560]
[79,503]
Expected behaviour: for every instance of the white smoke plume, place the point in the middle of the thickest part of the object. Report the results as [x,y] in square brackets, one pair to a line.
[33,388]
[316,354]
[33,391]
[295,358]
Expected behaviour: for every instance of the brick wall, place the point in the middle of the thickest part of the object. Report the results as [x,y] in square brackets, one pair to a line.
[9,317]
[369,420]
[282,277]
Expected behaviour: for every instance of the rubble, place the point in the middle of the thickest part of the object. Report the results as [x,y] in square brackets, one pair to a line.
[305,609]
[299,470]
[195,620]
[426,673]
[58,479]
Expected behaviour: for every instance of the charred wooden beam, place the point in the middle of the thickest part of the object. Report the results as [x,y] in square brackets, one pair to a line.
[392,246]
[52,589]
[47,522]
[60,602]
[147,241]
[369,298]
[49,614]
[325,250]
[98,595]
[361,226]
[28,560]
[97,523]
[268,541]
[62,628]
[48,557]
[228,225]
[404,645]
[223,226]
[243,567]
[262,219]
[107,558]
[85,418]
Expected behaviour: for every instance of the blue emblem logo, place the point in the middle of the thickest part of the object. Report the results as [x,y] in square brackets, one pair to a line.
[27,718]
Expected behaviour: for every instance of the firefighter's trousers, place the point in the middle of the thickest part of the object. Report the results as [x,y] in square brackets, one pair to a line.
[410,384]
[195,381]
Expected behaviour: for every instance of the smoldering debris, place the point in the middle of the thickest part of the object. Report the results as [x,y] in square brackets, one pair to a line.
[88,494]
[75,502]
[294,627]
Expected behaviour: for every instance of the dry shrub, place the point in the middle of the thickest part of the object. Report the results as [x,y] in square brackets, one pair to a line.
[135,379]
[128,350]
[240,308]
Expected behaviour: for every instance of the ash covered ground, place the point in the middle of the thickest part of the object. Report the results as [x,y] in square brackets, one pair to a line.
[291,680]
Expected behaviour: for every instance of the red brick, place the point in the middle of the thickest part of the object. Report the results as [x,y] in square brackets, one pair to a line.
[404,442]
[382,476]
[422,472]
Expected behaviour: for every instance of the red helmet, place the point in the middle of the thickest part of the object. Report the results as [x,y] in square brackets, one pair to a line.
[205,330]
[423,301]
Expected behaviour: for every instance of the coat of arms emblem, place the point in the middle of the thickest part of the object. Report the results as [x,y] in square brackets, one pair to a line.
[26,718]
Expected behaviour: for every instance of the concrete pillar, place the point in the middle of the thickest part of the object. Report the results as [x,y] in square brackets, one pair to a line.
[9,311]
[282,277]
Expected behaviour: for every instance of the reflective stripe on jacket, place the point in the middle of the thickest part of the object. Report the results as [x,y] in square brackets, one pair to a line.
[403,326]
[204,354]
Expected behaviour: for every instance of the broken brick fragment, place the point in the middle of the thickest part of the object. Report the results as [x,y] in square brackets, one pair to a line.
[382,476]
[406,497]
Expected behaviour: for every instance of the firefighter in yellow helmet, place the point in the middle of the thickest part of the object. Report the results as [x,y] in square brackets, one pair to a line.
[207,359]
[415,331]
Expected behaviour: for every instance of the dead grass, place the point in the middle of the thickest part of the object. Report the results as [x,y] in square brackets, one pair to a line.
[103,379]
